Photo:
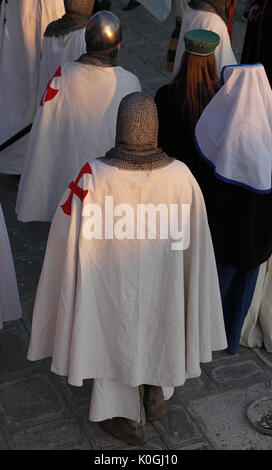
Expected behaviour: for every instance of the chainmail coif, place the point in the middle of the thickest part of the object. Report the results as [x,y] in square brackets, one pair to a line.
[76,17]
[79,7]
[215,6]
[136,143]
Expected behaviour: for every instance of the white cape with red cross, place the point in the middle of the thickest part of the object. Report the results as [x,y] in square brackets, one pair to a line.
[22,24]
[56,51]
[75,123]
[131,310]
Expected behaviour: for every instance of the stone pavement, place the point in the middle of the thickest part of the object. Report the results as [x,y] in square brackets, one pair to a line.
[39,410]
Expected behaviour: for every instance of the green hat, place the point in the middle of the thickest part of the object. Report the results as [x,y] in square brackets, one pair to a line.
[201,41]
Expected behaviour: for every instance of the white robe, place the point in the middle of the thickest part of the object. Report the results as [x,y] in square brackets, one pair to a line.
[257,329]
[56,51]
[129,310]
[79,123]
[22,24]
[195,19]
[10,306]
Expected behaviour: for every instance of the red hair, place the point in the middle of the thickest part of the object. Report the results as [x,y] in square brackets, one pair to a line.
[194,85]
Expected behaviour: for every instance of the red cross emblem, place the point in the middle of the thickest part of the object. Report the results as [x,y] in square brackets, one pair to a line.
[50,93]
[75,189]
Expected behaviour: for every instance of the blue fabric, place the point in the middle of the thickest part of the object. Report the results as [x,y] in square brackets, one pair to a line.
[244,66]
[237,289]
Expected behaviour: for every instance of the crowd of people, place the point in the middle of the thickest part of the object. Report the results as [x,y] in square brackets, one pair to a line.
[138,306]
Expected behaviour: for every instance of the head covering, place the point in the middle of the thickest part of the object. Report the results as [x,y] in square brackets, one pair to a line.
[219,7]
[234,132]
[136,143]
[79,7]
[76,17]
[103,32]
[201,42]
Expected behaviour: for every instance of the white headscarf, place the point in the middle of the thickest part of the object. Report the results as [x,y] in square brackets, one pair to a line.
[234,132]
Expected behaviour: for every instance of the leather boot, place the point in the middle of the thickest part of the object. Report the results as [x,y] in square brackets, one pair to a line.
[154,403]
[126,429]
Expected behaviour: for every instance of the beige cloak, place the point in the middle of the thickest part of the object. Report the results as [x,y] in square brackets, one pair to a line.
[133,310]
[75,122]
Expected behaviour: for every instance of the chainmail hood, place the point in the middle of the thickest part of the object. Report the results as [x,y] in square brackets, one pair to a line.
[76,17]
[214,6]
[79,7]
[108,59]
[136,143]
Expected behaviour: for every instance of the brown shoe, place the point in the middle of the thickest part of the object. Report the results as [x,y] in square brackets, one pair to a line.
[154,403]
[125,429]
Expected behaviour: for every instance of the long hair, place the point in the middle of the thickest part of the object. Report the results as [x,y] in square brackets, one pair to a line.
[194,85]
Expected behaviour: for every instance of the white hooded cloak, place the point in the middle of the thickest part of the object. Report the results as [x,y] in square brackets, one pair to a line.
[132,310]
[22,24]
[75,122]
[56,51]
[234,132]
[10,306]
[196,19]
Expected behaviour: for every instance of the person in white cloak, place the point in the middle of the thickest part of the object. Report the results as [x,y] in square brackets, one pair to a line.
[233,169]
[64,40]
[76,119]
[10,305]
[22,25]
[211,15]
[257,329]
[123,301]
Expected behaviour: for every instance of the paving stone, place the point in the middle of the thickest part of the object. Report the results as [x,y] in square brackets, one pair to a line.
[28,308]
[152,85]
[3,444]
[12,325]
[28,269]
[176,427]
[81,445]
[152,443]
[136,65]
[236,374]
[265,356]
[28,400]
[28,238]
[195,387]
[196,446]
[242,369]
[46,436]
[222,419]
[13,352]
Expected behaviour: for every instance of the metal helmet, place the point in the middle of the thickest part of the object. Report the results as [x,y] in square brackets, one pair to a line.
[137,122]
[103,31]
[79,7]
